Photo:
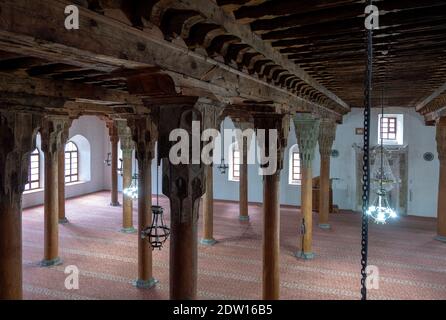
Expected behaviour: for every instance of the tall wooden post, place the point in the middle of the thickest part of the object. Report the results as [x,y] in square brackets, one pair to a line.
[114,139]
[441,206]
[307,132]
[183,184]
[54,135]
[145,134]
[208,209]
[127,147]
[17,141]
[327,135]
[61,181]
[271,201]
[243,137]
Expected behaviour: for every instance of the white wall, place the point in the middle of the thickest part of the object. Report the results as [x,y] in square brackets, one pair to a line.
[93,129]
[422,175]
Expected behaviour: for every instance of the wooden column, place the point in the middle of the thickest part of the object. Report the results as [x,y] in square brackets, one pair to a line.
[61,187]
[114,139]
[127,147]
[17,141]
[183,184]
[441,205]
[208,209]
[244,214]
[307,132]
[271,203]
[327,133]
[144,134]
[243,137]
[54,135]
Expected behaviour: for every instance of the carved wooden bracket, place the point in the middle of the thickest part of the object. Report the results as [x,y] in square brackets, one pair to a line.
[183,184]
[307,133]
[18,132]
[54,133]
[144,131]
[279,122]
[327,135]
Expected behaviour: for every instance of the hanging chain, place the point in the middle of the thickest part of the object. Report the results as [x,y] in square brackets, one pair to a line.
[366,161]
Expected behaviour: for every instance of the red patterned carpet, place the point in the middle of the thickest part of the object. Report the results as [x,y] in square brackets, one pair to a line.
[412,265]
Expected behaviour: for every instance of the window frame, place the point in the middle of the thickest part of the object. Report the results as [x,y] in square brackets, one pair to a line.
[234,165]
[295,167]
[72,177]
[29,183]
[396,129]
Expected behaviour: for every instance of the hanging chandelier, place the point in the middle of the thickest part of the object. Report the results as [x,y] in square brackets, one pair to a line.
[223,167]
[158,233]
[132,190]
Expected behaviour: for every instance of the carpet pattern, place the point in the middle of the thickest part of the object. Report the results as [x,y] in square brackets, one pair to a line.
[412,265]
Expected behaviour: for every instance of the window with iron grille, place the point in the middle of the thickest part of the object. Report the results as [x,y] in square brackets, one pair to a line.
[235,164]
[296,175]
[33,182]
[389,128]
[71,162]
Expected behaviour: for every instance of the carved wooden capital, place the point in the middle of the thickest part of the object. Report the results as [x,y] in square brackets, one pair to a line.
[125,136]
[144,134]
[244,139]
[54,133]
[327,134]
[112,131]
[307,133]
[441,138]
[273,121]
[211,115]
[183,184]
[18,132]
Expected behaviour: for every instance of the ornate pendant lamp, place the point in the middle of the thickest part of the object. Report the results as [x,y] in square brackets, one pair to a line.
[158,232]
[223,167]
[382,182]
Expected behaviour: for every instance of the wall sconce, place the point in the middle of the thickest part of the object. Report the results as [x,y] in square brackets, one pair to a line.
[120,167]
[107,161]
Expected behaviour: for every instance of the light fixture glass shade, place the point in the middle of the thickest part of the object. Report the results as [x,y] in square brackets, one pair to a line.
[132,190]
[380,209]
[382,177]
[158,233]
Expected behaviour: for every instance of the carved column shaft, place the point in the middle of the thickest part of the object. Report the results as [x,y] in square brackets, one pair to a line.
[243,143]
[271,204]
[127,146]
[327,135]
[441,205]
[145,135]
[183,184]
[307,132]
[114,139]
[208,208]
[17,141]
[54,135]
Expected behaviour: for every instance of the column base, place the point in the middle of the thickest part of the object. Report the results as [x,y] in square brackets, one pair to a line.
[325,226]
[208,242]
[441,238]
[63,221]
[243,218]
[145,284]
[305,255]
[115,204]
[50,263]
[128,230]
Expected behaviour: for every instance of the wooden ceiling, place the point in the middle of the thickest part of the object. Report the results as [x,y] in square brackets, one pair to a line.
[327,39]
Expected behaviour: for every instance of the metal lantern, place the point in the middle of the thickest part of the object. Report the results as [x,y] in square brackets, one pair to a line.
[107,161]
[132,190]
[223,167]
[380,209]
[158,232]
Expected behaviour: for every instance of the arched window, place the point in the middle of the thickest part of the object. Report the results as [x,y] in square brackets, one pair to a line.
[33,182]
[71,162]
[295,175]
[234,163]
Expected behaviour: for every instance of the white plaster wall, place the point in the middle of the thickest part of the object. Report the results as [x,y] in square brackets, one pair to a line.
[422,175]
[93,129]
